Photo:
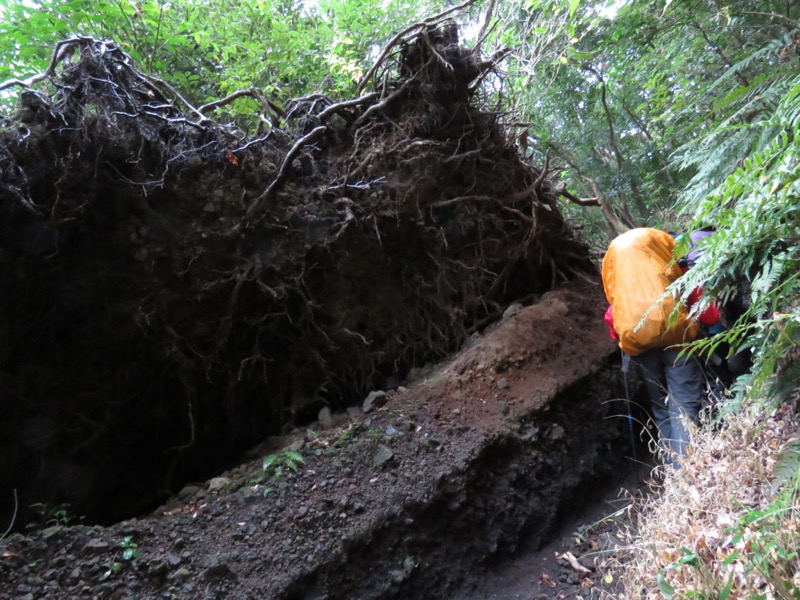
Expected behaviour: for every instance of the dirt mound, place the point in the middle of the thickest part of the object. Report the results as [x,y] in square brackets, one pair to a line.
[177,290]
[419,497]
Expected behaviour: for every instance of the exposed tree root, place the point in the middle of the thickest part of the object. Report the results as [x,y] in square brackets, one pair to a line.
[179,292]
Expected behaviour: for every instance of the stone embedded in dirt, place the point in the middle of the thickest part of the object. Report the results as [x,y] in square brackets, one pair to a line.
[503,384]
[556,433]
[297,445]
[215,568]
[188,491]
[218,483]
[325,417]
[383,455]
[95,545]
[374,400]
[52,532]
[511,311]
[391,431]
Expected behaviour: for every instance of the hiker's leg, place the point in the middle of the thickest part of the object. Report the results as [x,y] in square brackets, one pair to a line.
[686,388]
[652,370]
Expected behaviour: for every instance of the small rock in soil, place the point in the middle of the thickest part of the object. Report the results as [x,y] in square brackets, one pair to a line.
[188,492]
[512,310]
[374,400]
[383,455]
[325,417]
[218,483]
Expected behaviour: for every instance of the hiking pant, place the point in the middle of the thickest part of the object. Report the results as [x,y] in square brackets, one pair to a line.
[676,387]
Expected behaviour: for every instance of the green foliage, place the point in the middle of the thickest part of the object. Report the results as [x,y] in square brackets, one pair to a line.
[756,210]
[128,551]
[274,464]
[52,516]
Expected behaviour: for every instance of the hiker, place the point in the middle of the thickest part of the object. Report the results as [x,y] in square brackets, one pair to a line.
[720,367]
[637,269]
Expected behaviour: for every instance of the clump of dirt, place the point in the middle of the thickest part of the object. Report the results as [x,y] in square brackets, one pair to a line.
[177,290]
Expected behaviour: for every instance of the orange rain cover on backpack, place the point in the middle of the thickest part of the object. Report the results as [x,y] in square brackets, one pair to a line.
[637,269]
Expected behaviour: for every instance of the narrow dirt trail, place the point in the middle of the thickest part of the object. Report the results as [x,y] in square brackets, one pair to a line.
[592,532]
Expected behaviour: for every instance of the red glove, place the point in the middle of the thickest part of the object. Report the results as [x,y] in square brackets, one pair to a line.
[710,315]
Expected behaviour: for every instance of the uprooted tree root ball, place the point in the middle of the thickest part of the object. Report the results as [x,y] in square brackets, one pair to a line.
[175,291]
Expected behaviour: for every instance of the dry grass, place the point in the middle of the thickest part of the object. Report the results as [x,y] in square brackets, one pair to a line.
[715,528]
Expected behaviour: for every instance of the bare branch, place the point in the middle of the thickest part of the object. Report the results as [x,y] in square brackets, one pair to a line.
[383,103]
[335,108]
[486,28]
[561,190]
[227,99]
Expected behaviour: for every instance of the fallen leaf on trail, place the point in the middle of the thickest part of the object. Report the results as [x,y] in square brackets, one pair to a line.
[573,562]
[545,579]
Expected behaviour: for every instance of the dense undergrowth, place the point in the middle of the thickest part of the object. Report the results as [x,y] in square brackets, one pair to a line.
[725,525]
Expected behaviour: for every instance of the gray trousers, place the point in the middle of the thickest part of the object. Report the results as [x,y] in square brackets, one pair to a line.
[676,387]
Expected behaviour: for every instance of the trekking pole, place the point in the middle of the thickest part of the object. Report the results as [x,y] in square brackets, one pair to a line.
[626,363]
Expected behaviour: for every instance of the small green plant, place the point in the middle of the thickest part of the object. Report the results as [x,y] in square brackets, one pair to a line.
[47,516]
[129,551]
[274,464]
[348,435]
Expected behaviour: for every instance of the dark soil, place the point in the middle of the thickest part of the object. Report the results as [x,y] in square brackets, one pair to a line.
[475,465]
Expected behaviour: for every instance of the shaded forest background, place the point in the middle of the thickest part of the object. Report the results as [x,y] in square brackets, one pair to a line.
[669,114]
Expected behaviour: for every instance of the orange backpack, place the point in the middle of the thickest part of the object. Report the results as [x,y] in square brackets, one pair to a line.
[637,269]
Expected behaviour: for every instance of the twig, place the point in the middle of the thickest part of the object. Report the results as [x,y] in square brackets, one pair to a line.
[385,52]
[283,172]
[485,28]
[13,516]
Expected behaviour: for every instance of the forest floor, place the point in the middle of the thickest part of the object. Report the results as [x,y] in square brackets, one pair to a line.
[499,474]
